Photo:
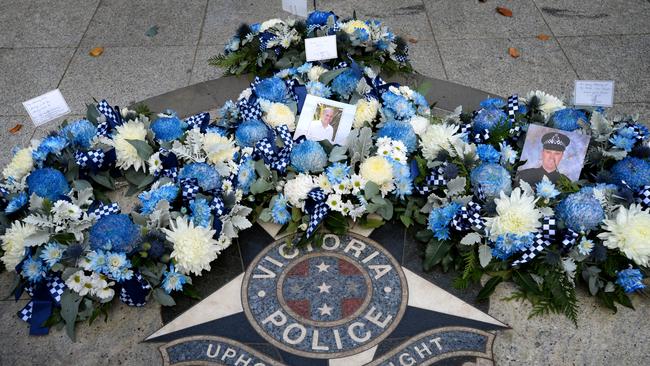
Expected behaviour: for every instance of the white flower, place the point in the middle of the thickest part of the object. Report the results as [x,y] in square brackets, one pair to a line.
[77,281]
[376,169]
[13,243]
[357,183]
[194,246]
[342,187]
[315,73]
[324,183]
[629,231]
[127,155]
[357,211]
[64,210]
[548,103]
[419,124]
[296,189]
[334,201]
[366,112]
[569,266]
[585,246]
[219,150]
[516,214]
[155,163]
[278,114]
[508,154]
[270,24]
[439,137]
[245,94]
[105,294]
[352,25]
[21,164]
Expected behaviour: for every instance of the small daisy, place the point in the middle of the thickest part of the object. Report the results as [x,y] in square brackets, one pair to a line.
[334,201]
[585,246]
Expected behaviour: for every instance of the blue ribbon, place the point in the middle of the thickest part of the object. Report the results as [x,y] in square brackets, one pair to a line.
[134,292]
[434,179]
[642,197]
[277,158]
[569,240]
[468,217]
[104,210]
[95,160]
[113,118]
[45,296]
[544,237]
[317,209]
[200,120]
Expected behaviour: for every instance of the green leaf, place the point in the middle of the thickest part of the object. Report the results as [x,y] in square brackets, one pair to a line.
[151,32]
[406,220]
[371,223]
[142,147]
[471,239]
[69,308]
[371,190]
[435,251]
[92,113]
[190,291]
[138,178]
[104,180]
[338,153]
[327,77]
[163,298]
[261,169]
[484,255]
[489,288]
[260,186]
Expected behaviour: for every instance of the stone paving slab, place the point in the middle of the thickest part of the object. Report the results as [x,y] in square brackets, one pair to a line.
[10,13]
[9,140]
[202,71]
[426,59]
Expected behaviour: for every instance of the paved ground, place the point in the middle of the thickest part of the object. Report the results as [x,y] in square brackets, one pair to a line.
[44,45]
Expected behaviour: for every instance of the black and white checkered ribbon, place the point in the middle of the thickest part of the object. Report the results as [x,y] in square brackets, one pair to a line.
[569,240]
[55,287]
[105,210]
[468,218]
[340,65]
[4,193]
[480,137]
[317,209]
[513,107]
[249,109]
[639,134]
[189,189]
[277,158]
[200,120]
[434,179]
[113,118]
[217,205]
[134,292]
[543,239]
[95,159]
[642,197]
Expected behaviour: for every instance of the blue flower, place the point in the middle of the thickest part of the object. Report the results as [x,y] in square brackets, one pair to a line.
[279,212]
[285,73]
[155,240]
[488,154]
[118,266]
[439,220]
[397,106]
[246,175]
[16,203]
[420,101]
[493,103]
[630,280]
[623,143]
[546,189]
[273,89]
[490,119]
[52,253]
[346,83]
[47,183]
[201,212]
[228,114]
[97,261]
[568,119]
[507,245]
[402,179]
[402,131]
[217,131]
[580,211]
[491,179]
[508,154]
[207,176]
[318,18]
[318,89]
[304,68]
[251,131]
[50,145]
[150,199]
[308,156]
[79,133]
[337,172]
[33,270]
[114,232]
[168,128]
[172,280]
[634,171]
[255,27]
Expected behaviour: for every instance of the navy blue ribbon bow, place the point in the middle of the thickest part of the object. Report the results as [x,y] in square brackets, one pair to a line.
[317,209]
[468,218]
[277,158]
[95,159]
[200,120]
[569,240]
[113,118]
[134,292]
[45,296]
[543,239]
[642,197]
[436,178]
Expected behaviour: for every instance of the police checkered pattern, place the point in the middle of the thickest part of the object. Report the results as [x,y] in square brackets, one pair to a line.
[643,197]
[198,120]
[639,134]
[513,107]
[249,110]
[138,298]
[189,188]
[481,137]
[435,179]
[341,65]
[56,287]
[290,85]
[112,115]
[217,205]
[317,209]
[543,239]
[105,210]
[102,129]
[266,149]
[4,192]
[569,240]
[515,133]
[26,313]
[465,128]
[170,173]
[91,158]
[468,217]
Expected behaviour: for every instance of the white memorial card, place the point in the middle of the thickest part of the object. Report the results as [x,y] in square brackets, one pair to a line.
[596,93]
[46,107]
[320,48]
[295,7]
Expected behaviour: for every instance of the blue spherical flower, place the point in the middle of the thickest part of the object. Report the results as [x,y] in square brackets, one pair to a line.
[114,232]
[580,211]
[273,89]
[47,183]
[490,119]
[491,179]
[439,219]
[251,131]
[52,253]
[279,211]
[207,176]
[346,83]
[201,212]
[507,245]
[150,199]
[401,131]
[16,203]
[50,145]
[567,119]
[33,270]
[168,128]
[488,154]
[172,280]
[633,171]
[397,106]
[337,172]
[630,280]
[308,156]
[79,133]
[318,18]
[493,103]
[318,89]
[246,175]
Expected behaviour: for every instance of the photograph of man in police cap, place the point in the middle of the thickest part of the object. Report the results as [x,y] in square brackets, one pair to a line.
[552,153]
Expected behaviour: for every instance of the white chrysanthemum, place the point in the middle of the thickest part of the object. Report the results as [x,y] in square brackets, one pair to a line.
[547,102]
[376,169]
[629,231]
[21,164]
[353,25]
[315,73]
[296,189]
[127,155]
[278,114]
[324,183]
[270,24]
[219,149]
[419,124]
[357,183]
[245,94]
[516,214]
[439,137]
[13,243]
[366,112]
[194,246]
[64,210]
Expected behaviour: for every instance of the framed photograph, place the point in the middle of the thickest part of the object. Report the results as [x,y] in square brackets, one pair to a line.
[324,119]
[552,153]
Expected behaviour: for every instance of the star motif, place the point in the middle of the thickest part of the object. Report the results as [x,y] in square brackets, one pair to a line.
[325,310]
[322,267]
[324,288]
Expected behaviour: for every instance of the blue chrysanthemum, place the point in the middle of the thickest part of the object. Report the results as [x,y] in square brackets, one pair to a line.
[567,119]
[207,176]
[490,119]
[273,89]
[420,101]
[630,280]
[201,212]
[318,89]
[304,68]
[50,145]
[173,280]
[493,103]
[507,245]
[622,142]
[318,18]
[439,219]
[344,84]
[150,199]
[246,175]
[114,232]
[308,156]
[33,270]
[397,106]
[79,133]
[337,172]
[47,183]
[633,171]
[400,131]
[52,253]
[488,154]
[491,179]
[402,179]
[168,128]
[251,131]
[279,211]
[118,267]
[97,261]
[580,211]
[546,189]
[16,203]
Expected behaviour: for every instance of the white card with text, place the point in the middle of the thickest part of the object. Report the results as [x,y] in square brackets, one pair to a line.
[596,93]
[295,7]
[320,48]
[46,107]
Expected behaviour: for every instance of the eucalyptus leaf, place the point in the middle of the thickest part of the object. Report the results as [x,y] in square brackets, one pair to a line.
[327,77]
[370,190]
[338,153]
[484,255]
[261,169]
[142,147]
[260,186]
[92,114]
[104,180]
[471,239]
[163,298]
[69,308]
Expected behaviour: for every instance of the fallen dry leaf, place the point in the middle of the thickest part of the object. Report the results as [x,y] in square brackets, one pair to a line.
[16,128]
[504,11]
[412,39]
[514,53]
[543,37]
[96,52]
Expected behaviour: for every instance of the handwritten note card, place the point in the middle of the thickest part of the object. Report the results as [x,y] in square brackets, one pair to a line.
[46,107]
[295,7]
[320,48]
[596,93]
